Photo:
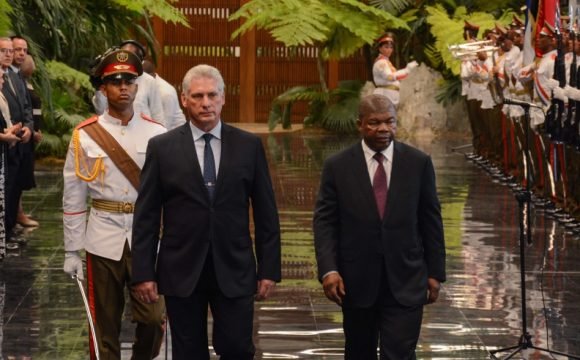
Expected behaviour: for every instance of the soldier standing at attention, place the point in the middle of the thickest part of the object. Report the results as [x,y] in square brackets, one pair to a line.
[104,162]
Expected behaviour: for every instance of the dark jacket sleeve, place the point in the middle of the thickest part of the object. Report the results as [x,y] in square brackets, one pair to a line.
[326,223]
[431,224]
[267,224]
[147,218]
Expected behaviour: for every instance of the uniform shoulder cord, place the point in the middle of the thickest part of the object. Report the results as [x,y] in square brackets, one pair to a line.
[98,167]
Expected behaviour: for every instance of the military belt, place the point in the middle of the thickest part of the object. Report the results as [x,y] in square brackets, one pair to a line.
[113,206]
[390,87]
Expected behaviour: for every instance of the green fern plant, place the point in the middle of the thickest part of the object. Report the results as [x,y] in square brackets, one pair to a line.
[335,110]
[338,28]
[447,29]
[5,11]
[70,91]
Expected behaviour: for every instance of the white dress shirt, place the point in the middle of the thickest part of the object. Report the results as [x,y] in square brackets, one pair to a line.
[372,164]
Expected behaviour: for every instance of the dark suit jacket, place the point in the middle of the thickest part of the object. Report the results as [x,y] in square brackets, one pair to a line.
[172,185]
[351,238]
[20,110]
[19,101]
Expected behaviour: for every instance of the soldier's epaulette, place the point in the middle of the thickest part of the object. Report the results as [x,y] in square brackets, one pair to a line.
[553,57]
[150,119]
[86,122]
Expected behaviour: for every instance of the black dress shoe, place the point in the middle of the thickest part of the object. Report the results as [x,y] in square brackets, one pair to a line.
[17,239]
[12,246]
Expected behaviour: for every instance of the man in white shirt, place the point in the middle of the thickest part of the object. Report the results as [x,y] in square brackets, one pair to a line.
[173,114]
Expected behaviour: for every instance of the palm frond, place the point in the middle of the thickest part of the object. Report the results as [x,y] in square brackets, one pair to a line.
[5,12]
[317,22]
[162,9]
[290,22]
[449,91]
[52,144]
[391,6]
[434,56]
[301,93]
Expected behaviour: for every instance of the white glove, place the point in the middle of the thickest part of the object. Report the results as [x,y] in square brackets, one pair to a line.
[73,264]
[552,84]
[572,93]
[560,94]
[412,65]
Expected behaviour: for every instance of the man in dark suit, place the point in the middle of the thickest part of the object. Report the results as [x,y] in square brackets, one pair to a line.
[379,237]
[16,95]
[200,180]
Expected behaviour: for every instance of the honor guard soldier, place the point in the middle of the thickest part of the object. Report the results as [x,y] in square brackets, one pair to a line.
[103,163]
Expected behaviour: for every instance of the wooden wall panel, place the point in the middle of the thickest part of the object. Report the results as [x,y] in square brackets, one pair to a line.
[269,68]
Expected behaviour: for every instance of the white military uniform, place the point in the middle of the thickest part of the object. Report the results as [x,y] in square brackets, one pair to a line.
[480,75]
[147,100]
[106,233]
[387,78]
[541,72]
[173,115]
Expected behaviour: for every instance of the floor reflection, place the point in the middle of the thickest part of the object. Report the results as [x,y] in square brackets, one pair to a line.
[43,316]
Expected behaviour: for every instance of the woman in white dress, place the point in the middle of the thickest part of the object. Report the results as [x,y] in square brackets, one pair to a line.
[386,77]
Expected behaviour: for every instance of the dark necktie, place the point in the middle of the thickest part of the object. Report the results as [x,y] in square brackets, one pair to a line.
[380,185]
[209,175]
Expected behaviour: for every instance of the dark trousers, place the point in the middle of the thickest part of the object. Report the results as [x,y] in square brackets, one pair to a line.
[107,280]
[13,190]
[396,326]
[232,321]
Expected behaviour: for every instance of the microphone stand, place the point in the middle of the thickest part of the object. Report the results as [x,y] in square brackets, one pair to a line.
[524,204]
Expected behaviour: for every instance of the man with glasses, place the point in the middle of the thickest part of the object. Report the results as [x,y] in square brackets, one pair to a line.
[104,161]
[16,95]
[378,236]
[26,178]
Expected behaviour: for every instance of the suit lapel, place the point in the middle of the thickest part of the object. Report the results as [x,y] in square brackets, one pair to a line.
[361,172]
[397,179]
[190,154]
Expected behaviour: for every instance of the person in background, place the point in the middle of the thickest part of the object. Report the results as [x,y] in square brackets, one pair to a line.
[378,236]
[16,96]
[103,162]
[26,69]
[386,77]
[8,138]
[173,114]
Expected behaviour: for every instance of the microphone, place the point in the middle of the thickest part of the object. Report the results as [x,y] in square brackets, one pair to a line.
[521,103]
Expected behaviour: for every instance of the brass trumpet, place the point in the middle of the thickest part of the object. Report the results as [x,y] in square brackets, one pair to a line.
[469,50]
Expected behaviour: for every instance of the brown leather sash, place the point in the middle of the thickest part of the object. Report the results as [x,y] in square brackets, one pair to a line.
[116,153]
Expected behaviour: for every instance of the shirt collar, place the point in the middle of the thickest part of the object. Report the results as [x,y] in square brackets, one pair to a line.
[369,153]
[113,120]
[198,133]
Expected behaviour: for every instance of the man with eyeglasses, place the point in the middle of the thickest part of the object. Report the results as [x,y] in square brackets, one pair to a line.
[26,178]
[378,235]
[104,161]
[16,95]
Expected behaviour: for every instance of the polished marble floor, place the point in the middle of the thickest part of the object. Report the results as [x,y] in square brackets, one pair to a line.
[479,310]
